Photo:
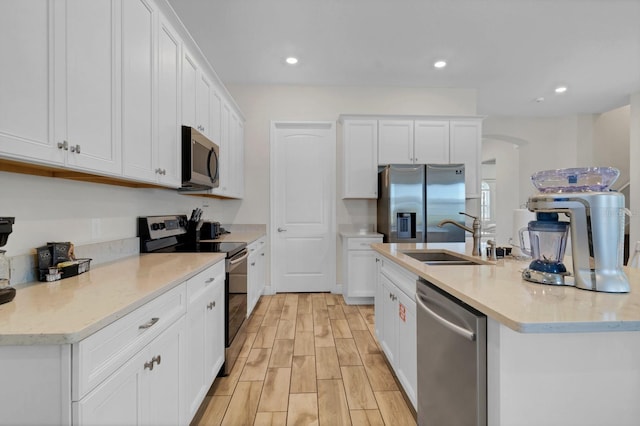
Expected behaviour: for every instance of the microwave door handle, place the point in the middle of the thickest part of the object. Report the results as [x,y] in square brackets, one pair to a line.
[214,176]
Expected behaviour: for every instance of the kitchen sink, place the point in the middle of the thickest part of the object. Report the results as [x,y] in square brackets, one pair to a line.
[443,258]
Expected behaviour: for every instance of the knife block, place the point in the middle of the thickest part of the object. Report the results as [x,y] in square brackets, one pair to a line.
[193,232]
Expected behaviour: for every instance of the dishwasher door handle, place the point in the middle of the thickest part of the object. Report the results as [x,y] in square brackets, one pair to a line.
[469,335]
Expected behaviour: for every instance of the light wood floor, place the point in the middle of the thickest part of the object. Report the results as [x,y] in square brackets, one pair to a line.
[309,359]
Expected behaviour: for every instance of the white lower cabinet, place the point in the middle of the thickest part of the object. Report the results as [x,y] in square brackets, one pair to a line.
[205,334]
[153,366]
[146,390]
[359,277]
[256,272]
[395,312]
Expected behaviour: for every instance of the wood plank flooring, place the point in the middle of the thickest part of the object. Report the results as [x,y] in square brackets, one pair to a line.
[309,359]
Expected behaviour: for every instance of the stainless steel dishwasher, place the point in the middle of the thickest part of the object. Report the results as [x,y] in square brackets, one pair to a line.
[452,360]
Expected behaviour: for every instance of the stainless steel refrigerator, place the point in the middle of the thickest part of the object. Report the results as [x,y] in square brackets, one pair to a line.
[413,199]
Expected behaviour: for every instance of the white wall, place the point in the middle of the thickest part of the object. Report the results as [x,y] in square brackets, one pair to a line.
[545,143]
[611,141]
[507,156]
[50,209]
[549,143]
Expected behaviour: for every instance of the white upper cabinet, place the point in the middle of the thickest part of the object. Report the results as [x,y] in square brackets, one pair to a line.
[150,96]
[189,84]
[395,144]
[465,147]
[138,73]
[61,84]
[87,113]
[360,158]
[197,96]
[104,86]
[203,104]
[27,92]
[431,144]
[169,145]
[231,143]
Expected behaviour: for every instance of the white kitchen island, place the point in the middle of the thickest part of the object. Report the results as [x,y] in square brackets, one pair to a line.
[555,355]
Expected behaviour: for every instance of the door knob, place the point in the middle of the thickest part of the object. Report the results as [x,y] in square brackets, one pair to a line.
[282,230]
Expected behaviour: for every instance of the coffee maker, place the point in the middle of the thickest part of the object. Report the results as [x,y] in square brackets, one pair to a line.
[596,224]
[7,293]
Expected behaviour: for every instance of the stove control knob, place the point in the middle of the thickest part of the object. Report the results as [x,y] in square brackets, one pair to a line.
[155,226]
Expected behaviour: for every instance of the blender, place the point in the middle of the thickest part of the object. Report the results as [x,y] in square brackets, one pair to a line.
[596,225]
[548,240]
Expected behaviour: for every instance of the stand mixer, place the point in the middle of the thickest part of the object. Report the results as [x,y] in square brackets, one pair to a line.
[596,225]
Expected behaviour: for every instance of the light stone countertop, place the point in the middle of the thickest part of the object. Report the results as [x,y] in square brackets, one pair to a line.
[499,291]
[68,310]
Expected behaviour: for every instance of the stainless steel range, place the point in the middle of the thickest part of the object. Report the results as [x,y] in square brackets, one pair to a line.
[177,234]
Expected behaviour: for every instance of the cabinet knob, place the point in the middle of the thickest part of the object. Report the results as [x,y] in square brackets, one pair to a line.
[211,305]
[63,145]
[253,263]
[282,230]
[149,365]
[156,359]
[210,280]
[77,149]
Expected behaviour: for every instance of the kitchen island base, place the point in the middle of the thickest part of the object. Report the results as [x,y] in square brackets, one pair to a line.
[565,379]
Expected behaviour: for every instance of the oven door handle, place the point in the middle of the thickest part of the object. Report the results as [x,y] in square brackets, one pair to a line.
[235,261]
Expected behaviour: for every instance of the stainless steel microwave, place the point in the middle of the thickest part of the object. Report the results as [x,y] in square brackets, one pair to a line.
[200,161]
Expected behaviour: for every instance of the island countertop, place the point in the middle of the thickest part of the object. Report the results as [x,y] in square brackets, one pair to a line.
[68,310]
[498,291]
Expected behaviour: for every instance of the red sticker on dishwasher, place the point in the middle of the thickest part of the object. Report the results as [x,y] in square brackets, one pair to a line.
[402,312]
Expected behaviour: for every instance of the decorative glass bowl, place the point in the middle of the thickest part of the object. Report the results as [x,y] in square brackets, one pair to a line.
[580,179]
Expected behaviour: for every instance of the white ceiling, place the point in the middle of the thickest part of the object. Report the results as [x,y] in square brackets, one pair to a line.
[511,51]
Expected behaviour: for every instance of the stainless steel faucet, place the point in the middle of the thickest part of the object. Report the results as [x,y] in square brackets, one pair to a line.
[474,230]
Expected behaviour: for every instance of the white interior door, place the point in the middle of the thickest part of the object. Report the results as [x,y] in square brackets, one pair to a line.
[303,206]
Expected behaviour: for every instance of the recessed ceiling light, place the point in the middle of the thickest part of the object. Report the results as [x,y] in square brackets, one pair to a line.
[440,64]
[561,89]
[291,60]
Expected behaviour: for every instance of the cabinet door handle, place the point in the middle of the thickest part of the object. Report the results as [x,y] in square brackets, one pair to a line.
[211,305]
[149,323]
[149,365]
[253,263]
[210,280]
[156,359]
[261,254]
[282,230]
[63,145]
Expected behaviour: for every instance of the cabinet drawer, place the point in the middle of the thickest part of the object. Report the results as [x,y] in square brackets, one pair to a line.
[362,243]
[403,279]
[199,283]
[102,353]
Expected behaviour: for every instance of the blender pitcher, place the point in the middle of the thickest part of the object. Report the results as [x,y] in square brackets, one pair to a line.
[548,239]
